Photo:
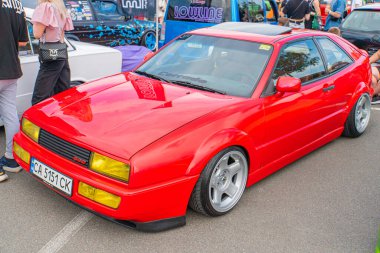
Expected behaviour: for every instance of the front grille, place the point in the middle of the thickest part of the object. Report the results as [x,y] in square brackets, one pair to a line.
[63,148]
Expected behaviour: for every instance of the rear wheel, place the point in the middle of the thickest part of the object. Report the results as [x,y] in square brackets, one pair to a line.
[221,184]
[149,40]
[358,119]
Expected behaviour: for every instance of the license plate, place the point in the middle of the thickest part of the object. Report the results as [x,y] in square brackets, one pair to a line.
[51,177]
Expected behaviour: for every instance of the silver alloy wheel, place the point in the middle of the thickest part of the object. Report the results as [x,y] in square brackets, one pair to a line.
[228,180]
[362,113]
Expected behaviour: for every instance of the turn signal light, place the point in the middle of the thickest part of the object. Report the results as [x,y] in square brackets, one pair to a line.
[100,196]
[21,153]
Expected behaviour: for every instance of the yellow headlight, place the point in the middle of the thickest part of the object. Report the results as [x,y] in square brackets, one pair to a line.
[20,152]
[100,196]
[109,167]
[30,129]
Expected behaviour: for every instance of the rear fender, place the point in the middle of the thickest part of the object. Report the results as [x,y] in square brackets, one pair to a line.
[216,143]
[360,89]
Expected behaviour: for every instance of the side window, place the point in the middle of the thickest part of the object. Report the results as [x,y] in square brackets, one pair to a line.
[251,11]
[106,11]
[336,58]
[301,60]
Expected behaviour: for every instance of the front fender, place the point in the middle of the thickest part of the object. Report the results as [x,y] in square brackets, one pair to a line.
[216,143]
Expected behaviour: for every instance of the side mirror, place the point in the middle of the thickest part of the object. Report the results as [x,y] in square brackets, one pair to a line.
[148,56]
[288,84]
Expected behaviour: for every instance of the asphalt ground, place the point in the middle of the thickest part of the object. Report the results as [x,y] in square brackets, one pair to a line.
[328,201]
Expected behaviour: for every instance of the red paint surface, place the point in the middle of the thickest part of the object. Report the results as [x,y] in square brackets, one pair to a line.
[168,133]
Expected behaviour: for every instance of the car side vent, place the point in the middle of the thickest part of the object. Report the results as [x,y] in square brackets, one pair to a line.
[65,149]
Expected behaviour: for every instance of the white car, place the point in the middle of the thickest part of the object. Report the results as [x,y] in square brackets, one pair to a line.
[87,62]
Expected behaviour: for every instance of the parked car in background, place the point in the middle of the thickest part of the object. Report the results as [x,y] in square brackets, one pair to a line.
[87,62]
[111,22]
[362,28]
[213,112]
[183,16]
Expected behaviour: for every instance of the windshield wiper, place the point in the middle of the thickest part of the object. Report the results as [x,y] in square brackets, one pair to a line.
[196,86]
[143,73]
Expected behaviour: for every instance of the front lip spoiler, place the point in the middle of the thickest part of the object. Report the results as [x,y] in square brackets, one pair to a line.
[151,226]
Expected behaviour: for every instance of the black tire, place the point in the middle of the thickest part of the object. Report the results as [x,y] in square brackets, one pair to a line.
[200,200]
[356,124]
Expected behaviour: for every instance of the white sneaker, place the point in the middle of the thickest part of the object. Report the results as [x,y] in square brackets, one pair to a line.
[3,176]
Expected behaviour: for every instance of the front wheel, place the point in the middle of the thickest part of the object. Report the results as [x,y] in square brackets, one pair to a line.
[221,184]
[358,119]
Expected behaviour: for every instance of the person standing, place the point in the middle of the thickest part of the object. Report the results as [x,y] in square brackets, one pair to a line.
[161,10]
[315,12]
[50,21]
[335,13]
[297,11]
[375,78]
[13,32]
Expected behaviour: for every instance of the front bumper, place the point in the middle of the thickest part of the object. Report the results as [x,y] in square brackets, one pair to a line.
[152,208]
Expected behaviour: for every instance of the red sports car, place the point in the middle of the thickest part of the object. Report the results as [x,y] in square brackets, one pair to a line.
[210,114]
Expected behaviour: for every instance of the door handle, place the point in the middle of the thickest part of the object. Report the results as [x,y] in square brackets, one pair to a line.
[328,88]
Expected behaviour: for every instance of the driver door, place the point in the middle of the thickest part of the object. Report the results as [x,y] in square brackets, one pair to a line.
[297,120]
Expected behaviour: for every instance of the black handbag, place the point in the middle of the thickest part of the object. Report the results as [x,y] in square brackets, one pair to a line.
[52,51]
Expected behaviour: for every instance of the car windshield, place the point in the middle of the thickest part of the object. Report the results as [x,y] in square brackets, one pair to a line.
[220,65]
[363,20]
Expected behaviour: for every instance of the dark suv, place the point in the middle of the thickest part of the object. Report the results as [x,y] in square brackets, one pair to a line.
[111,22]
[362,28]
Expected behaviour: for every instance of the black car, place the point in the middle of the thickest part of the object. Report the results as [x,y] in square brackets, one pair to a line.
[111,22]
[362,28]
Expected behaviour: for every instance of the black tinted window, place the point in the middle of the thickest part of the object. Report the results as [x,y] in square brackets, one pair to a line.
[301,60]
[204,11]
[336,58]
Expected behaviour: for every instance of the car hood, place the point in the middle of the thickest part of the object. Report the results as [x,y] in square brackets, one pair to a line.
[124,113]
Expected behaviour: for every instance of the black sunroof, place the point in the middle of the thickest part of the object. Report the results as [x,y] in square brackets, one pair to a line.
[263,29]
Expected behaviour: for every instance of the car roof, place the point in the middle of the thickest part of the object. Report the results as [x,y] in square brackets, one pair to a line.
[263,29]
[262,33]
[375,6]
